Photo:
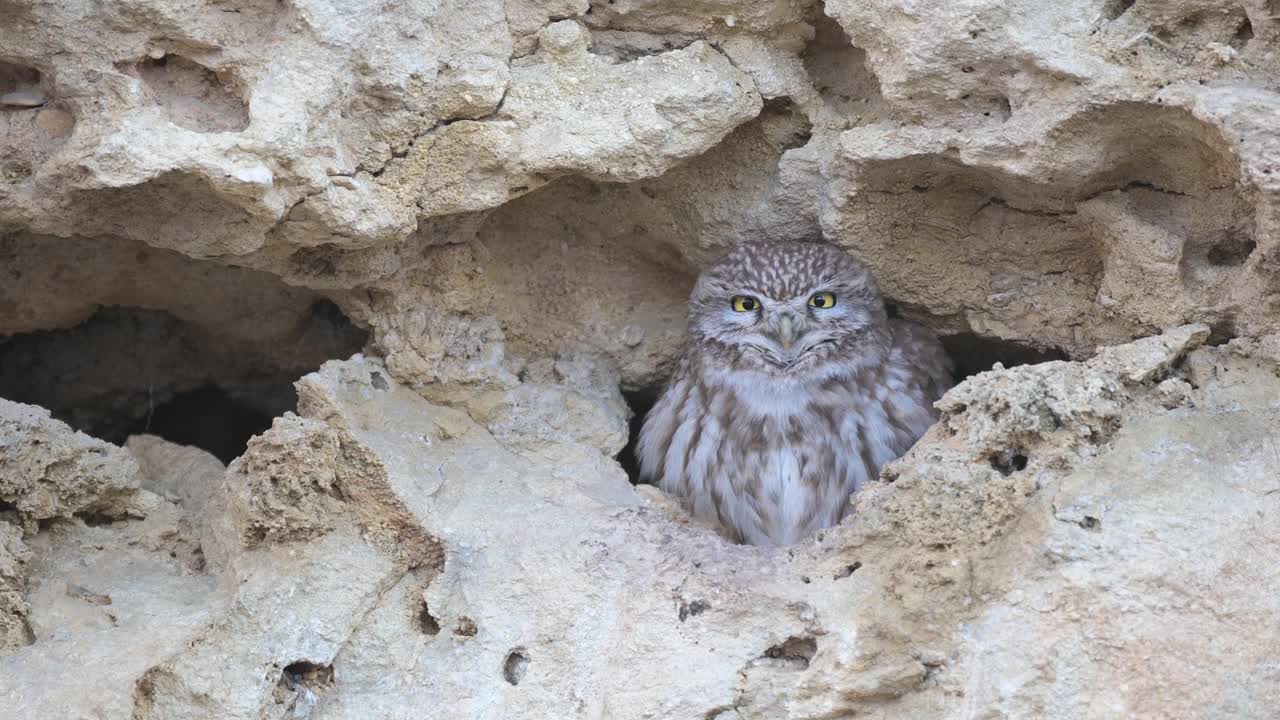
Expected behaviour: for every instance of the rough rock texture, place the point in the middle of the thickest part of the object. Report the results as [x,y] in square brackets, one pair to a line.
[14,557]
[48,470]
[502,205]
[1063,177]
[1064,523]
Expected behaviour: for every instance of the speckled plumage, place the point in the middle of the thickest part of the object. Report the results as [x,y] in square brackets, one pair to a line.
[775,417]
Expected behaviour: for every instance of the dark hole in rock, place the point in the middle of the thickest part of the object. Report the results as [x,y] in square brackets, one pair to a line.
[787,135]
[1244,33]
[1091,523]
[692,609]
[796,649]
[1003,109]
[427,622]
[296,690]
[129,370]
[1115,8]
[308,673]
[96,519]
[974,353]
[466,627]
[1220,333]
[1233,249]
[207,418]
[515,666]
[640,402]
[1009,461]
[848,570]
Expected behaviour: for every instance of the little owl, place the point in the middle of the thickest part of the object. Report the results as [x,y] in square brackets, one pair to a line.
[794,390]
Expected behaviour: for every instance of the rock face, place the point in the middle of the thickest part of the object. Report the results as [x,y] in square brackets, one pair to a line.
[486,216]
[1063,523]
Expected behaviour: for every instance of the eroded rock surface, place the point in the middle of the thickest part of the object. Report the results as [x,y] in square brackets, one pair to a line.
[1064,522]
[48,470]
[1062,177]
[503,205]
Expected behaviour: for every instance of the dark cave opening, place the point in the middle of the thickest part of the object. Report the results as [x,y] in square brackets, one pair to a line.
[128,370]
[209,418]
[971,353]
[640,402]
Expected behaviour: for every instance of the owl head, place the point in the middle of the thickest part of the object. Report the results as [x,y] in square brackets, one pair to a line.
[785,308]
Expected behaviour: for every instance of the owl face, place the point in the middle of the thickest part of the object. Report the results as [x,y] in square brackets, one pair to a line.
[783,308]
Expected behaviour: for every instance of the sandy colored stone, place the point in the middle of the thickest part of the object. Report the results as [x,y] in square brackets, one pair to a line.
[48,470]
[513,197]
[14,608]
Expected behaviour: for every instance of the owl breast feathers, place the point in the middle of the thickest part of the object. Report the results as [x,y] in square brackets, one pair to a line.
[794,390]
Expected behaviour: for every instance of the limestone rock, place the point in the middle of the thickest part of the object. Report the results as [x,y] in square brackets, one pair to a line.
[14,608]
[511,198]
[48,470]
[180,474]
[571,112]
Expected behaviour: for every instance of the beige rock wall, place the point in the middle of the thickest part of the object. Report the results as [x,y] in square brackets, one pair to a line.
[1062,544]
[504,204]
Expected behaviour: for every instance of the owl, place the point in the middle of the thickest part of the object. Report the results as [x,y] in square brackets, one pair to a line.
[794,389]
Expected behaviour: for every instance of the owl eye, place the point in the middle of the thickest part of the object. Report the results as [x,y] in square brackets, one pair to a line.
[822,300]
[745,303]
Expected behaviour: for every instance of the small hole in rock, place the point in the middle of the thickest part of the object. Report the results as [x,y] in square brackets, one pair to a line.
[1221,333]
[1244,33]
[427,622]
[307,673]
[688,610]
[466,627]
[787,135]
[1232,250]
[1008,462]
[297,687]
[974,353]
[515,666]
[847,570]
[1091,523]
[839,70]
[1003,109]
[640,402]
[96,519]
[193,96]
[799,650]
[1115,8]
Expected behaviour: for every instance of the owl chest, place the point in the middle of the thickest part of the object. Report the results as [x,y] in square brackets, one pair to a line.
[788,447]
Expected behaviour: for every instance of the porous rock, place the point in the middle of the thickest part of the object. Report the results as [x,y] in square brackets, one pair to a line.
[542,575]
[48,470]
[513,198]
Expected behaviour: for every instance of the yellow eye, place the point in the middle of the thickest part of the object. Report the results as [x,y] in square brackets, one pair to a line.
[745,303]
[822,300]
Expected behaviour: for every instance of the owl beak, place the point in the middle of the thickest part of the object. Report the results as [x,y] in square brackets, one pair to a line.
[786,332]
